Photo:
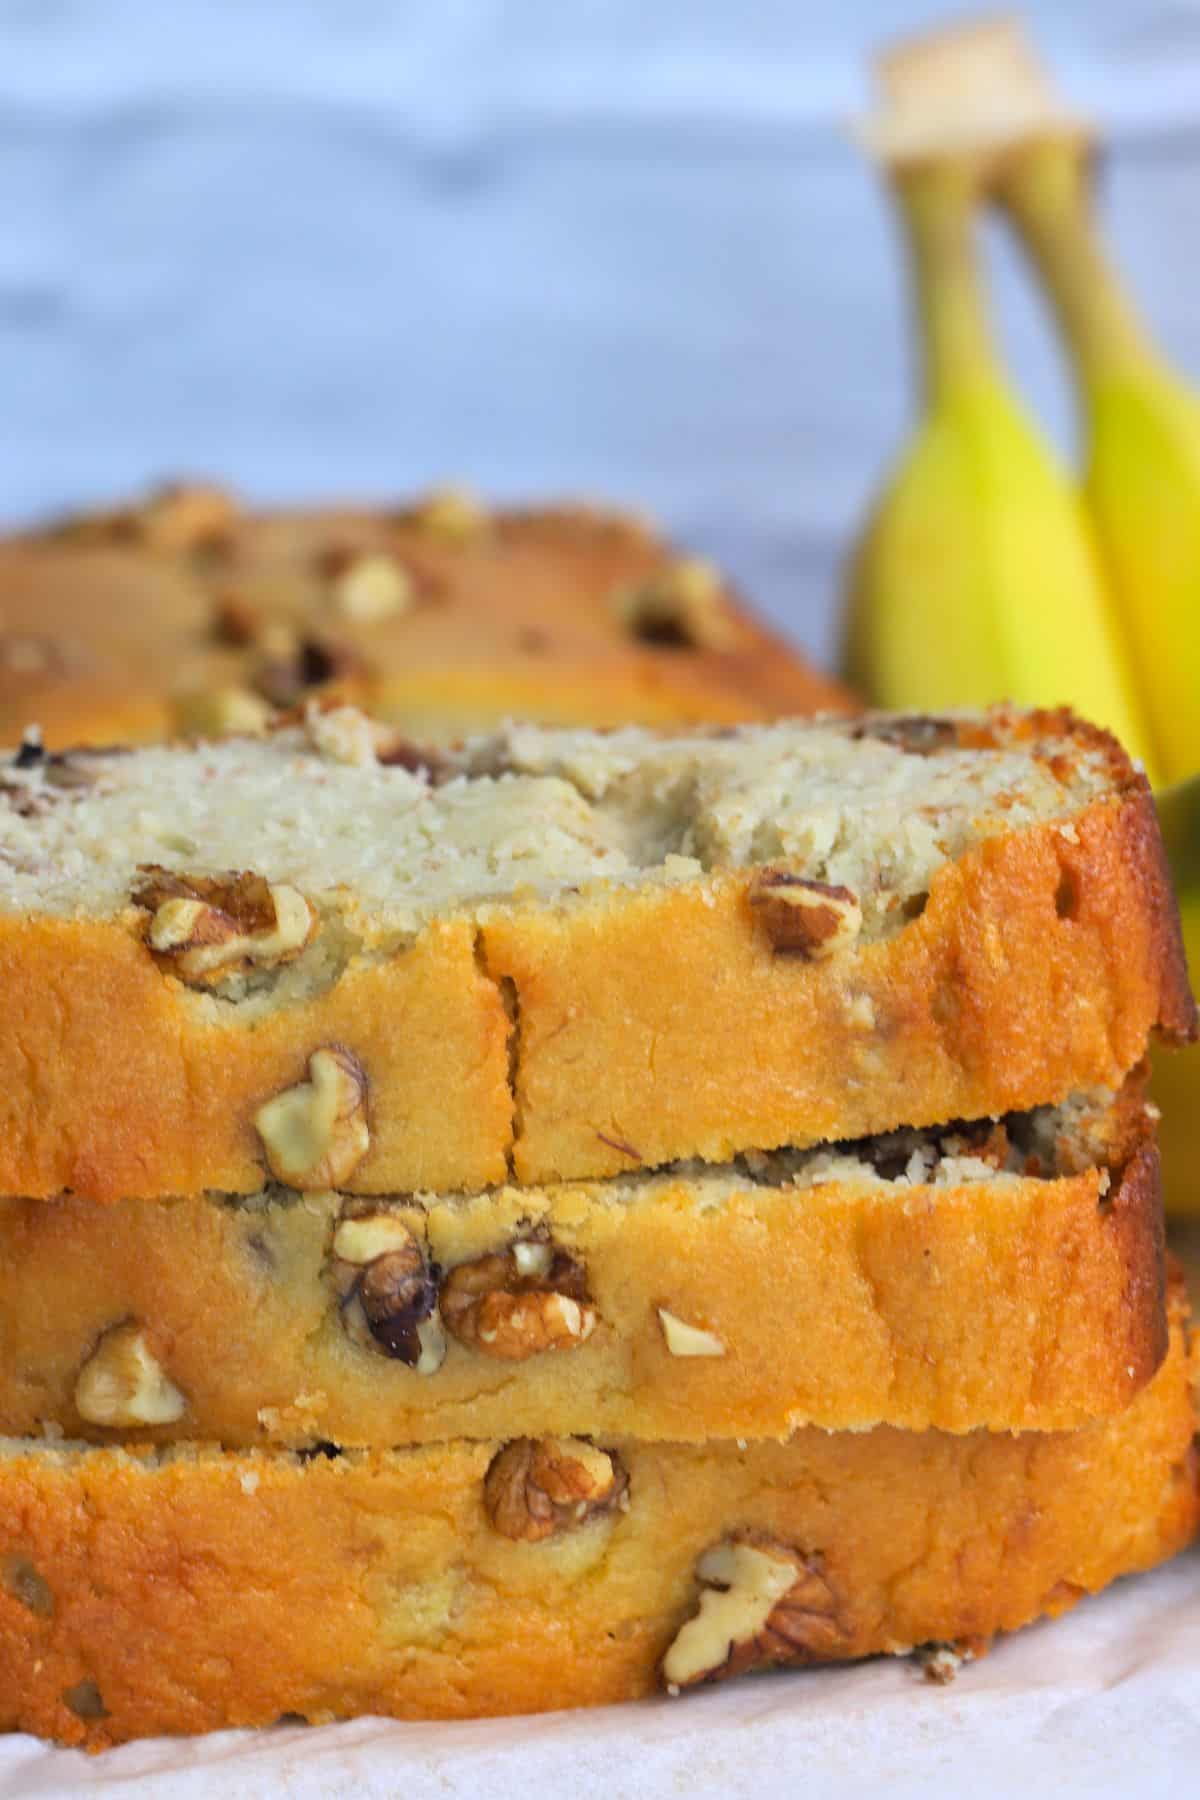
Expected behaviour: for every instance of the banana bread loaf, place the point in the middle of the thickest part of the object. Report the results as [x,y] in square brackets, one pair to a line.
[187,614]
[1005,1276]
[186,1590]
[561,955]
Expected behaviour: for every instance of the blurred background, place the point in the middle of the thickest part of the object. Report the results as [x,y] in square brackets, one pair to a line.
[623,249]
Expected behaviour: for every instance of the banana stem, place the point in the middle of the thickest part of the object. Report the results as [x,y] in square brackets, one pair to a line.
[1046,186]
[937,202]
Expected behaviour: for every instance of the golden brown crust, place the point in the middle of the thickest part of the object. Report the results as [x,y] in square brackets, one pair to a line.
[228,1590]
[114,1080]
[649,1024]
[111,625]
[665,1025]
[1014,1304]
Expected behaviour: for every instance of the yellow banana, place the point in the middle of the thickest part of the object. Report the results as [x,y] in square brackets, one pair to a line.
[977,578]
[980,88]
[1142,477]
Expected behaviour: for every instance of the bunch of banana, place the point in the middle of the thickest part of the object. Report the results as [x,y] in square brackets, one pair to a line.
[983,572]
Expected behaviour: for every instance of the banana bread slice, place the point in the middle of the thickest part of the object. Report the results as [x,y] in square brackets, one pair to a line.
[558,955]
[188,1590]
[1007,1276]
[188,614]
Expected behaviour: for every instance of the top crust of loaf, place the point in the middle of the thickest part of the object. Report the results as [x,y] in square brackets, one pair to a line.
[187,615]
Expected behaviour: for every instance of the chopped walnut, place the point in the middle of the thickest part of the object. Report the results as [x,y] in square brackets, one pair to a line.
[518,1302]
[122,1383]
[85,1701]
[389,1292]
[683,1339]
[28,1586]
[370,586]
[207,927]
[184,518]
[343,734]
[236,620]
[538,1487]
[452,514]
[809,919]
[228,711]
[290,671]
[395,751]
[315,1134]
[683,606]
[761,1603]
[940,1663]
[920,734]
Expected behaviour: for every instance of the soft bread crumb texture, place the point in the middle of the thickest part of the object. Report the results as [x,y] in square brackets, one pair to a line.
[179,1594]
[528,812]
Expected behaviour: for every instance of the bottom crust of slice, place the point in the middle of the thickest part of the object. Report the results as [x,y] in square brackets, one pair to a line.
[188,1590]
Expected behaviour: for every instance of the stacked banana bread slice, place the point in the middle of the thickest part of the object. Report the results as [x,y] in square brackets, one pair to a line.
[508,1226]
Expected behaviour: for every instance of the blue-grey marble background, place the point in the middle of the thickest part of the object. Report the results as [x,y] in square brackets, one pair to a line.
[624,248]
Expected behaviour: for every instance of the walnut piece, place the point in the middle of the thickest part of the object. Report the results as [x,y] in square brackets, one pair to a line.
[236,620]
[452,514]
[371,586]
[85,1701]
[207,927]
[122,1383]
[343,734]
[518,1302]
[315,1134]
[920,734]
[388,1292]
[291,667]
[682,607]
[762,1603]
[538,1487]
[27,1585]
[683,1339]
[809,919]
[228,711]
[187,517]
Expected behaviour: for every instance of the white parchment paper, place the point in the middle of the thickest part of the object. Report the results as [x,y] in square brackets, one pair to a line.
[1105,1701]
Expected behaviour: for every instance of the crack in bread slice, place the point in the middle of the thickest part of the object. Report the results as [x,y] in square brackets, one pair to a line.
[189,1590]
[1007,1274]
[561,955]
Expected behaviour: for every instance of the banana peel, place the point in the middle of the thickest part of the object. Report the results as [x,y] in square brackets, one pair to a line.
[946,609]
[1142,431]
[977,578]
